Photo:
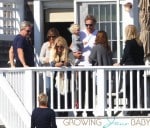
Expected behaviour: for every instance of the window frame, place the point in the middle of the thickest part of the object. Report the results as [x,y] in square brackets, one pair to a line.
[11,14]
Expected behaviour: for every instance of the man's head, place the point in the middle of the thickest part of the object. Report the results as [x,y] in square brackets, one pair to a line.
[25,28]
[90,22]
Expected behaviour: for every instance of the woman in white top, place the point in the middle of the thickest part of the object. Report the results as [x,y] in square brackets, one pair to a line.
[52,34]
[46,47]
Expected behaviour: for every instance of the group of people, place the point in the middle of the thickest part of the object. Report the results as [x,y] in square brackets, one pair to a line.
[88,47]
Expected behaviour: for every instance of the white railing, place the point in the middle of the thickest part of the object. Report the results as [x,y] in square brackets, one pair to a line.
[108,92]
[108,86]
[12,111]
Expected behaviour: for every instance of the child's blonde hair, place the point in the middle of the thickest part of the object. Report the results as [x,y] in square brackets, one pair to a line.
[73,28]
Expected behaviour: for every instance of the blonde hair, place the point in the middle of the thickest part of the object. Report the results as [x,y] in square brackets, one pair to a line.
[53,54]
[131,33]
[73,28]
[43,99]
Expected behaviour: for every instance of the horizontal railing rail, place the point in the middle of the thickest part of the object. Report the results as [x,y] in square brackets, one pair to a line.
[103,90]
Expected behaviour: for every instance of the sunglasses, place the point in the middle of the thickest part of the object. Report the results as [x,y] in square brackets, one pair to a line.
[88,25]
[51,36]
[28,31]
[61,47]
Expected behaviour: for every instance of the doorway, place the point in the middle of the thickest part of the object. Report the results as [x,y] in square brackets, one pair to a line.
[62,28]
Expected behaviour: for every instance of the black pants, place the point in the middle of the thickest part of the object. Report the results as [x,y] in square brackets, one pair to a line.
[83,90]
[134,81]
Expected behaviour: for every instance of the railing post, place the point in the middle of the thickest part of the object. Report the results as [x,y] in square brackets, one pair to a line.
[29,90]
[101,92]
[148,91]
[147,75]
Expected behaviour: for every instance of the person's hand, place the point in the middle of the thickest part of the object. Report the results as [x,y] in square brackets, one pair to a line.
[116,64]
[46,60]
[25,66]
[67,64]
[59,64]
[12,66]
[84,43]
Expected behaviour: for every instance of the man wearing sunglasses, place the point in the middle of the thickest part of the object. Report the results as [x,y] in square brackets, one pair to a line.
[87,36]
[22,49]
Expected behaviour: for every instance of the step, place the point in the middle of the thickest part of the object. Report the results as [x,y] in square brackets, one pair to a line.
[1,124]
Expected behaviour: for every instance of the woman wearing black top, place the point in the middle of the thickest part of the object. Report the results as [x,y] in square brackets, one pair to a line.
[43,117]
[133,55]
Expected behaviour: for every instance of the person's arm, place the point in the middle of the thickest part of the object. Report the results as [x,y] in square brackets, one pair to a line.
[126,53]
[11,57]
[32,121]
[70,46]
[93,58]
[21,57]
[116,64]
[43,58]
[56,64]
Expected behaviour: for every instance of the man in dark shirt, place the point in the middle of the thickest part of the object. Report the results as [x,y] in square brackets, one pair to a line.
[22,46]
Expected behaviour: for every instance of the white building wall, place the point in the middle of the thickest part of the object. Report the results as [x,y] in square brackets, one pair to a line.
[38,25]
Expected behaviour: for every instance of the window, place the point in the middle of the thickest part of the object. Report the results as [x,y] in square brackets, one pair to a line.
[106,15]
[9,14]
[8,20]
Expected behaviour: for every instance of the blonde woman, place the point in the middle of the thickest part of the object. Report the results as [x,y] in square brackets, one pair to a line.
[59,53]
[52,34]
[59,58]
[133,55]
[133,51]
